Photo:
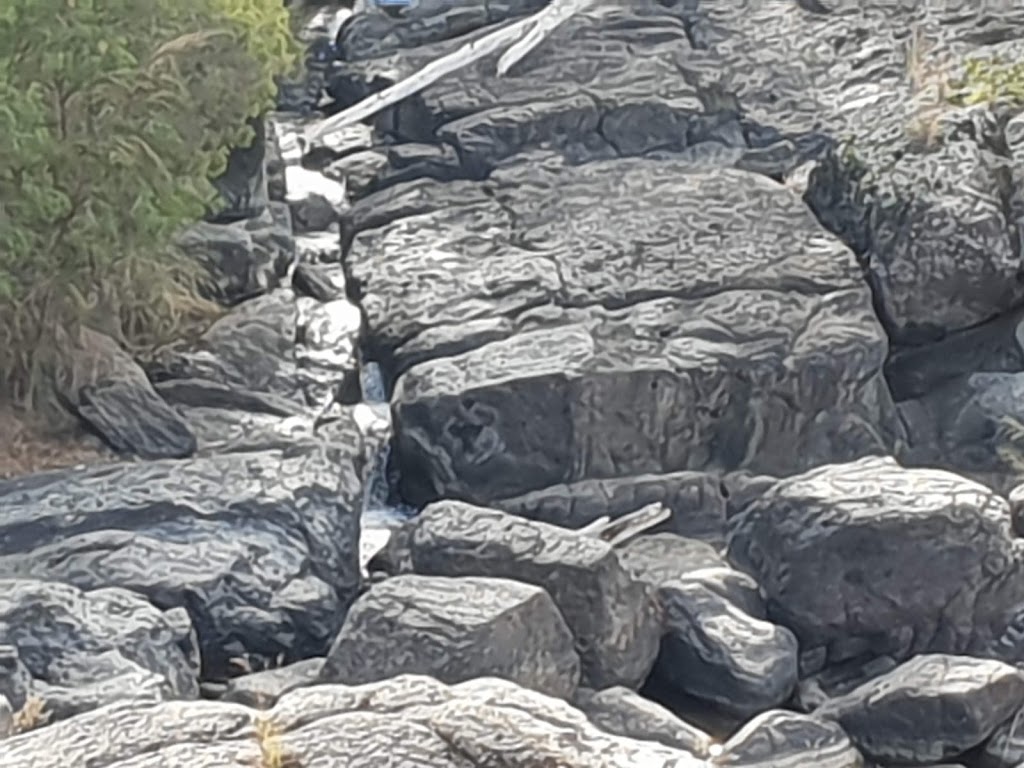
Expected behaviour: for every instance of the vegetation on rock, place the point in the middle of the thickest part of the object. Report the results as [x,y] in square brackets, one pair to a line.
[114,117]
[990,81]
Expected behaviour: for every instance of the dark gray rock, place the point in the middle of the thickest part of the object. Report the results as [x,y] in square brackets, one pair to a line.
[612,616]
[262,548]
[132,419]
[846,553]
[263,689]
[1005,748]
[78,650]
[204,393]
[932,708]
[624,712]
[244,258]
[715,652]
[456,630]
[6,718]
[695,499]
[553,399]
[323,282]
[780,739]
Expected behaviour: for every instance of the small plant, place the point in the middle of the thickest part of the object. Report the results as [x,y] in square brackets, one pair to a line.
[32,715]
[990,81]
[930,89]
[272,752]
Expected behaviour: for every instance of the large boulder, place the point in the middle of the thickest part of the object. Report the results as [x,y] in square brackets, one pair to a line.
[261,548]
[77,650]
[409,721]
[455,630]
[847,554]
[932,708]
[611,615]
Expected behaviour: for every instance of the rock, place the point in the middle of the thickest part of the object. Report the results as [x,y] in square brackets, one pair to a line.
[251,348]
[78,650]
[717,653]
[455,630]
[623,712]
[104,386]
[1005,748]
[409,721]
[660,558]
[132,419]
[932,708]
[323,282]
[6,718]
[780,739]
[263,689]
[244,258]
[528,237]
[262,548]
[204,393]
[611,616]
[695,498]
[844,554]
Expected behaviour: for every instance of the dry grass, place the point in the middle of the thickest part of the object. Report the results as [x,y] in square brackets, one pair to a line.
[31,716]
[26,446]
[931,89]
[272,752]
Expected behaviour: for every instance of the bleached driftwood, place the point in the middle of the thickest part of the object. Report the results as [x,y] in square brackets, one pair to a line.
[523,36]
[619,531]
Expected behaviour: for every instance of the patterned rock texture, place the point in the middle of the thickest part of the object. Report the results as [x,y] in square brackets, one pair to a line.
[456,630]
[871,559]
[260,548]
[407,721]
[612,616]
[79,650]
[931,708]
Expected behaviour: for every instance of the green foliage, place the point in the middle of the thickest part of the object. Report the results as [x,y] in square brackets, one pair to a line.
[114,116]
[990,81]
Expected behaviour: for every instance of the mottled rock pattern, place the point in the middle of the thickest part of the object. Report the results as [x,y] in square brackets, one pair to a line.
[263,689]
[455,630]
[260,548]
[409,721]
[845,554]
[78,650]
[695,499]
[612,617]
[624,712]
[931,708]
[780,739]
[714,651]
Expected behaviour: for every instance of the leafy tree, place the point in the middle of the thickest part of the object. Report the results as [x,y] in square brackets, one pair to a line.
[114,116]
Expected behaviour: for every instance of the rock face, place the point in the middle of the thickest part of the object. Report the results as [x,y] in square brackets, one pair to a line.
[261,548]
[456,630]
[78,650]
[642,387]
[846,553]
[410,721]
[790,740]
[611,616]
[932,708]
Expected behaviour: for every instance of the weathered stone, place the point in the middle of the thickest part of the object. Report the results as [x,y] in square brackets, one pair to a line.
[263,689]
[695,498]
[410,721]
[455,630]
[715,652]
[933,707]
[623,712]
[261,548]
[845,554]
[80,650]
[611,616]
[780,739]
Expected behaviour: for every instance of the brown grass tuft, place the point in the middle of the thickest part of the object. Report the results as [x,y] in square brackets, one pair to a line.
[930,77]
[27,446]
[31,716]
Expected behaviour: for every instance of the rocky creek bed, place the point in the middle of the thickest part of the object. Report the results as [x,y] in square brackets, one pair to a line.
[693,257]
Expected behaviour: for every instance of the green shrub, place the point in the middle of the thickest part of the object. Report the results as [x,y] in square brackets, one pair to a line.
[114,116]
